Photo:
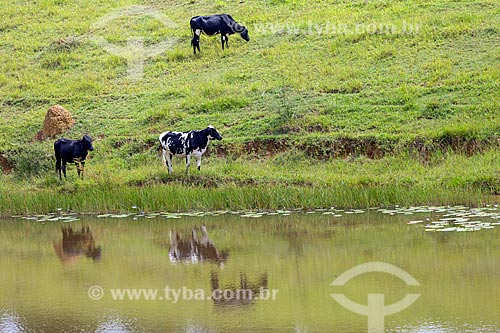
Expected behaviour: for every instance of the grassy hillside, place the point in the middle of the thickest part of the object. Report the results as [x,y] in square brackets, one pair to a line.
[399,79]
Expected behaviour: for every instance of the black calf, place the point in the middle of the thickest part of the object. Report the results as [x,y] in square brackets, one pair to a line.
[72,151]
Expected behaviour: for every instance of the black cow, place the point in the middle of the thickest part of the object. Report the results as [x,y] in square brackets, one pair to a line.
[72,151]
[186,144]
[222,24]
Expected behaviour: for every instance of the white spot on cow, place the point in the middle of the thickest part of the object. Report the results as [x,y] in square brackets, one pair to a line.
[199,151]
[197,32]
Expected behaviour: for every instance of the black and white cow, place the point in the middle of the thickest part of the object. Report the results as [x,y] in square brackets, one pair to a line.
[186,144]
[222,24]
[72,151]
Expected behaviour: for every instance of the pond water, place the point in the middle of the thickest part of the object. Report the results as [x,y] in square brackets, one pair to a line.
[186,272]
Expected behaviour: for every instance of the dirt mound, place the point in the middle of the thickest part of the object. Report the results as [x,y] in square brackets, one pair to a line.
[5,165]
[57,120]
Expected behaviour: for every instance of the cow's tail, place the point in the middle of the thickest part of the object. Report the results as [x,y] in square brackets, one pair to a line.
[161,150]
[163,154]
[191,26]
[57,148]
[192,34]
[160,147]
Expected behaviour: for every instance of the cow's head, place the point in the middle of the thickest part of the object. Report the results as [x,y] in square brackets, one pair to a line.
[244,34]
[87,142]
[212,133]
[238,28]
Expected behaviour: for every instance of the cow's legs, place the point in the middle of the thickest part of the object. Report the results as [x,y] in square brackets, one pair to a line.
[81,168]
[224,39]
[164,157]
[188,163]
[198,162]
[169,161]
[64,168]
[196,40]
[58,167]
[78,165]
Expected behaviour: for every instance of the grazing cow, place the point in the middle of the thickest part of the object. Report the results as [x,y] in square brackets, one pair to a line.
[72,151]
[222,24]
[195,250]
[186,144]
[235,294]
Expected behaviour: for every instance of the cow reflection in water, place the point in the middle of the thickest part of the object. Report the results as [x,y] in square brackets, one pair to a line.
[75,244]
[193,250]
[234,294]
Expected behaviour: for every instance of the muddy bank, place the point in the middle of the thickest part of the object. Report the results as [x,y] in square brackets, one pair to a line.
[212,182]
[321,148]
[344,147]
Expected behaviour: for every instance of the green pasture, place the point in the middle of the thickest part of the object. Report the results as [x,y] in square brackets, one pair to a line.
[339,102]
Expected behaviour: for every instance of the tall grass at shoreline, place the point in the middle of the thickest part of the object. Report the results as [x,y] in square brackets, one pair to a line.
[285,181]
[177,198]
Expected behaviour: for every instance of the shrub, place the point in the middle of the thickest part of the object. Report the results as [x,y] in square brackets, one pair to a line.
[31,160]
